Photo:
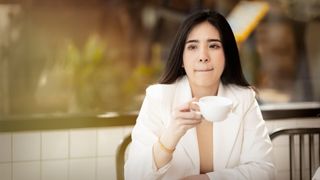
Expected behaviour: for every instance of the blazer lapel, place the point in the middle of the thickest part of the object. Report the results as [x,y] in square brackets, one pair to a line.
[189,141]
[225,132]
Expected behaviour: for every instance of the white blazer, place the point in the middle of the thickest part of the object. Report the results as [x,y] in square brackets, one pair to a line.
[242,147]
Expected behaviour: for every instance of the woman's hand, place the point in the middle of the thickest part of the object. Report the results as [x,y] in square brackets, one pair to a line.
[185,117]
[197,177]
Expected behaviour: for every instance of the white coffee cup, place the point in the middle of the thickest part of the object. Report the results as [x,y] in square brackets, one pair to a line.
[214,108]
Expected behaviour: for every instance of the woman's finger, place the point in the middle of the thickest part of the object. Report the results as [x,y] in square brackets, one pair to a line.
[183,107]
[188,121]
[193,106]
[193,115]
[186,106]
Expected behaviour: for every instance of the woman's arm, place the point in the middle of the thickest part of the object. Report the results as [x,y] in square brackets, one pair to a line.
[147,159]
[183,120]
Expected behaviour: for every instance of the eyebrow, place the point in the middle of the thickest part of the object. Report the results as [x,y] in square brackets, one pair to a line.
[209,40]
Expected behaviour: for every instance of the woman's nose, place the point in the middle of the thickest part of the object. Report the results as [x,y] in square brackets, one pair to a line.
[203,58]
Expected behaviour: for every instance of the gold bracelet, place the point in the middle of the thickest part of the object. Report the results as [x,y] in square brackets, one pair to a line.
[163,147]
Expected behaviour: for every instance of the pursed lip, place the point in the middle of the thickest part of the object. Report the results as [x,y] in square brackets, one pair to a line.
[203,70]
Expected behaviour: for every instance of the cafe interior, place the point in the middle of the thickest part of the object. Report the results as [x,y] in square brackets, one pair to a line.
[73,75]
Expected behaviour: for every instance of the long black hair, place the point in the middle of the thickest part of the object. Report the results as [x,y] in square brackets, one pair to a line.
[232,73]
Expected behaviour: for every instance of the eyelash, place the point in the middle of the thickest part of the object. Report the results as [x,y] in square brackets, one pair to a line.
[214,46]
[191,47]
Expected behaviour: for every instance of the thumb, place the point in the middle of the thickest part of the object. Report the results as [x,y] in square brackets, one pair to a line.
[186,106]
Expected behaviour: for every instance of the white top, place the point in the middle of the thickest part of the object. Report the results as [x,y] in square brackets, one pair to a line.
[242,147]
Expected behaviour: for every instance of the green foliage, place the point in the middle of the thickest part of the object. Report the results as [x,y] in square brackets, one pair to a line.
[142,76]
[101,83]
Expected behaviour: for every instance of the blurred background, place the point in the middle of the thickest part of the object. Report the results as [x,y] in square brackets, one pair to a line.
[97,56]
[79,58]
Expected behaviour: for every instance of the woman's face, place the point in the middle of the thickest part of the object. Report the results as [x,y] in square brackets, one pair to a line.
[203,56]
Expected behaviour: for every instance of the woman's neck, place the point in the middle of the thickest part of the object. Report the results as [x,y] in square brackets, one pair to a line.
[201,91]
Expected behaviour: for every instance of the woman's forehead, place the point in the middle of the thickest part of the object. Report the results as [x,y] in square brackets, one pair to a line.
[203,31]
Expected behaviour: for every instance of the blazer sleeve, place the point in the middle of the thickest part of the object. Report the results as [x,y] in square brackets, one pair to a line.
[140,163]
[256,161]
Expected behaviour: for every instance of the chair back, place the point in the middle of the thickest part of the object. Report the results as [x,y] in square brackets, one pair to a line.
[307,138]
[120,157]
[312,134]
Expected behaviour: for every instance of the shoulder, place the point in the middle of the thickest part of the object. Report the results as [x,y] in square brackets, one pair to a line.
[242,90]
[166,91]
[246,96]
[160,91]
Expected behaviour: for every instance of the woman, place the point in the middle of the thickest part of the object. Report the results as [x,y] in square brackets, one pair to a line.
[172,141]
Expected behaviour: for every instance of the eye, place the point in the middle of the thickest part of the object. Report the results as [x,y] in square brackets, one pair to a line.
[191,47]
[214,46]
